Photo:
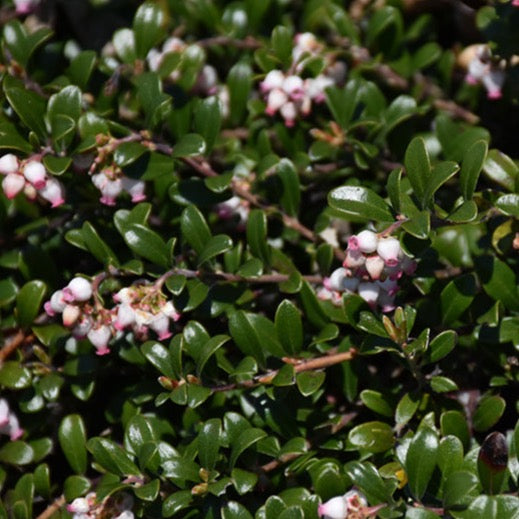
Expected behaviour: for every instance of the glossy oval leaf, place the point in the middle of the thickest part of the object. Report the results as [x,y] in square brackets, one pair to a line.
[72,439]
[360,202]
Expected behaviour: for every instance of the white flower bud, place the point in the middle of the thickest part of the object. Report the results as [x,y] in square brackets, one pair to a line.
[135,188]
[173,44]
[294,87]
[336,279]
[350,284]
[70,315]
[126,514]
[80,288]
[354,258]
[389,249]
[274,79]
[56,304]
[100,337]
[367,241]
[334,508]
[79,506]
[35,173]
[125,316]
[14,430]
[4,412]
[493,81]
[369,292]
[169,310]
[160,325]
[289,113]
[9,164]
[53,192]
[83,326]
[12,184]
[276,99]
[375,266]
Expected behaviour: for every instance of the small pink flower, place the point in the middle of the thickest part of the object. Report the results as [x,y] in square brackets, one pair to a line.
[274,79]
[100,337]
[135,188]
[367,241]
[276,99]
[294,87]
[515,3]
[70,315]
[83,326]
[125,316]
[80,289]
[160,325]
[289,113]
[12,184]
[9,164]
[34,172]
[336,279]
[79,506]
[389,249]
[4,412]
[53,192]
[375,266]
[334,508]
[354,258]
[169,310]
[369,292]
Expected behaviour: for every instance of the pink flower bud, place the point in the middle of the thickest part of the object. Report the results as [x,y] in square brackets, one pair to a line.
[56,304]
[30,191]
[274,79]
[367,241]
[80,288]
[100,337]
[170,311]
[375,266]
[493,81]
[515,3]
[35,173]
[4,412]
[294,87]
[79,506]
[15,431]
[160,325]
[386,301]
[125,316]
[12,184]
[354,258]
[83,326]
[135,188]
[336,279]
[53,192]
[276,99]
[369,292]
[388,285]
[25,6]
[9,164]
[70,315]
[289,113]
[334,508]
[324,294]
[389,249]
[110,191]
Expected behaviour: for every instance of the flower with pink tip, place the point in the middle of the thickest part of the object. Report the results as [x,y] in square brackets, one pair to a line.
[100,337]
[274,79]
[34,172]
[334,508]
[275,100]
[9,164]
[53,192]
[9,422]
[12,184]
[80,289]
[389,249]
[135,188]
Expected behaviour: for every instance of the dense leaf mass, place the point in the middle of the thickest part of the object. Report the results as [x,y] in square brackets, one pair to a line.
[259,259]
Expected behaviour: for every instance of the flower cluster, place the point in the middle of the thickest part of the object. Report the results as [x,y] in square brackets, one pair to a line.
[290,94]
[482,68]
[111,182]
[30,177]
[351,505]
[87,508]
[9,422]
[372,268]
[139,308]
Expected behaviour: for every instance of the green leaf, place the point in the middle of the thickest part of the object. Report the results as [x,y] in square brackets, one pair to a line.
[208,120]
[499,281]
[426,55]
[454,422]
[146,243]
[501,169]
[72,439]
[155,103]
[460,489]
[281,41]
[209,443]
[11,139]
[308,382]
[401,109]
[372,436]
[394,188]
[466,212]
[216,245]
[112,457]
[159,357]
[367,478]
[246,439]
[406,408]
[471,166]
[420,513]
[189,145]
[208,349]
[360,202]
[421,460]
[257,235]
[456,297]
[342,101]
[492,463]
[81,68]
[16,453]
[66,102]
[8,291]
[14,376]
[128,152]
[243,480]
[233,510]
[442,345]
[489,411]
[22,45]
[149,491]
[418,168]
[239,82]
[56,165]
[312,307]
[97,246]
[28,301]
[176,502]
[439,175]
[443,384]
[148,27]
[194,228]
[508,204]
[376,401]
[291,196]
[139,431]
[450,455]
[29,106]
[289,327]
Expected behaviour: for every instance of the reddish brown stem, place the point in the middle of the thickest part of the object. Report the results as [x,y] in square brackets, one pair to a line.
[11,346]
[52,508]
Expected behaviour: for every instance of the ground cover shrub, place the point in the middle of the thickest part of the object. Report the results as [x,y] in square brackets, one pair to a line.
[259,259]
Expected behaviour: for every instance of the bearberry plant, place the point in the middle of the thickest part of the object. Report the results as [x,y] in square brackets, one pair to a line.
[259,259]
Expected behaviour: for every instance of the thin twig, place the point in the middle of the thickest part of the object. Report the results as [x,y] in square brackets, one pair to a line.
[11,346]
[52,508]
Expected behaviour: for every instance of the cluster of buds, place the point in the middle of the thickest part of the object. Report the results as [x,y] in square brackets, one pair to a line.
[111,182]
[139,308]
[372,268]
[483,68]
[9,422]
[290,94]
[87,507]
[352,505]
[30,177]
